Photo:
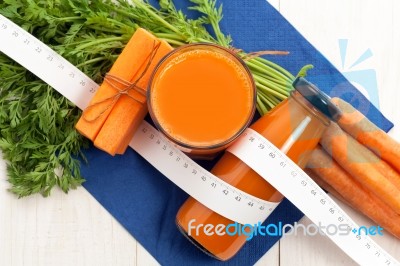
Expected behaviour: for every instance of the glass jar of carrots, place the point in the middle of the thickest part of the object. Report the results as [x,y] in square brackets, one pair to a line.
[295,126]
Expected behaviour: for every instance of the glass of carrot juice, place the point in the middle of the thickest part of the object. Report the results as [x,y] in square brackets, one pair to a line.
[201,97]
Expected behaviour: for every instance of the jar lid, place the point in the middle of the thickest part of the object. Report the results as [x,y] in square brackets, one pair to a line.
[320,100]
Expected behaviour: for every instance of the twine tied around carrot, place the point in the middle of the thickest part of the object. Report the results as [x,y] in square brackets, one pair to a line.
[122,87]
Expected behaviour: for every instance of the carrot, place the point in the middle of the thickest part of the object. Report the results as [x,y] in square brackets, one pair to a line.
[369,157]
[351,155]
[351,114]
[379,164]
[162,51]
[333,178]
[127,114]
[368,134]
[124,67]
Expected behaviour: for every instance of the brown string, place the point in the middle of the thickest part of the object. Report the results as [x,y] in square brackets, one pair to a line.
[252,55]
[122,87]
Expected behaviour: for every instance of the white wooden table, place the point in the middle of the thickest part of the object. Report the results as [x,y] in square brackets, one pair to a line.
[75,229]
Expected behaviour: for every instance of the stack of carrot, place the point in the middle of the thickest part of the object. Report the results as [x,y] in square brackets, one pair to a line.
[360,164]
[112,117]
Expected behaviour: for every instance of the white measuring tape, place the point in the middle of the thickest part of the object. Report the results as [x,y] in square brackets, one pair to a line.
[46,64]
[251,148]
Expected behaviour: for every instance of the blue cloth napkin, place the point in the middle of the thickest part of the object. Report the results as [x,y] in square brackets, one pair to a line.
[145,202]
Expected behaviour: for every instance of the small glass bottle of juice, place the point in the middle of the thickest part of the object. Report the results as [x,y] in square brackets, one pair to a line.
[308,108]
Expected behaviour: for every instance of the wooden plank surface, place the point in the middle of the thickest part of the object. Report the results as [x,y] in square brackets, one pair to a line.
[75,229]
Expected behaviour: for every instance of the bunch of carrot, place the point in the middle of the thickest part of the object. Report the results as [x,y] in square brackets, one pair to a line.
[118,107]
[360,164]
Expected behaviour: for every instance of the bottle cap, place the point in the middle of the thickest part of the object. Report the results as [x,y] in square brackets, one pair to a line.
[317,98]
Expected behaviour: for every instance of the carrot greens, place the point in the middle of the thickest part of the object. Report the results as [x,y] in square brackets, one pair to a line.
[37,135]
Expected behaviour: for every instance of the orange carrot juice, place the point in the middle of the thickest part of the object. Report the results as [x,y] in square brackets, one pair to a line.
[201,97]
[295,126]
